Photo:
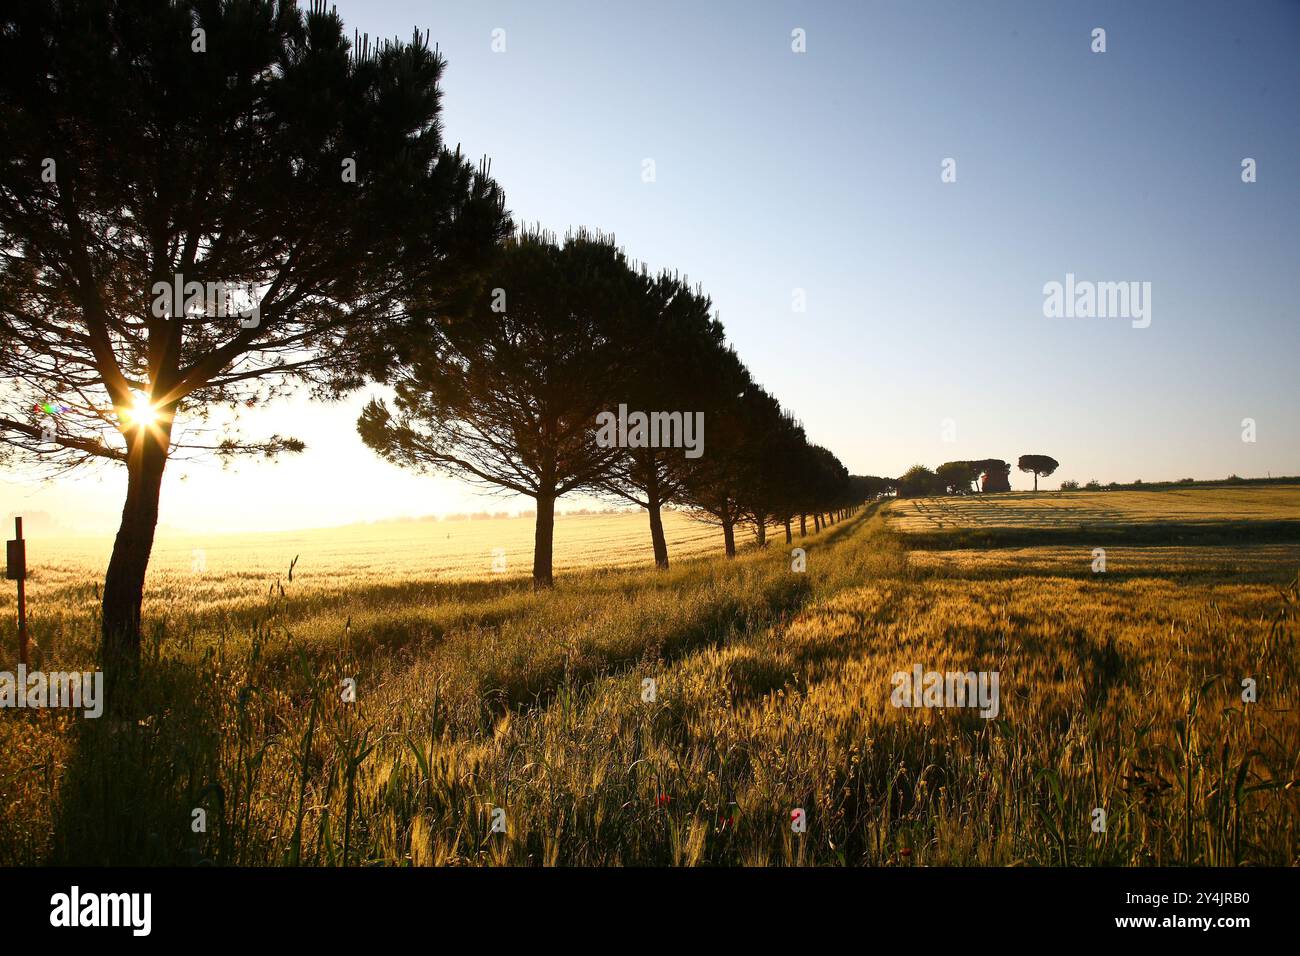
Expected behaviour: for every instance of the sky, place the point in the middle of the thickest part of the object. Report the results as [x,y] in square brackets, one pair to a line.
[815,177]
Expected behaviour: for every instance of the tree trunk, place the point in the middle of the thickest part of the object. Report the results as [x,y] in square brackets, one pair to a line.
[544,541]
[803,525]
[124,583]
[817,522]
[729,537]
[657,534]
[760,529]
[1035,481]
[788,536]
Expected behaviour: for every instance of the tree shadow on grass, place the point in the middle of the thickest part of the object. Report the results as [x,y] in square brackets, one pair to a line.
[137,772]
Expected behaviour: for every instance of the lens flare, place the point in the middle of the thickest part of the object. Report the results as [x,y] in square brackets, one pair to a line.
[142,413]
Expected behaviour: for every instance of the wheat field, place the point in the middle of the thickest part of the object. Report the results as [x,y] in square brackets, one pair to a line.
[480,702]
[1099,509]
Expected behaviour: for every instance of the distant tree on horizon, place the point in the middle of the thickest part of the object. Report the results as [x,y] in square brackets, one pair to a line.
[134,160]
[919,482]
[871,487]
[994,475]
[958,476]
[1041,465]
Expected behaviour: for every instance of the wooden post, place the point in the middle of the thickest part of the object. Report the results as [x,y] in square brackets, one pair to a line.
[22,597]
[17,569]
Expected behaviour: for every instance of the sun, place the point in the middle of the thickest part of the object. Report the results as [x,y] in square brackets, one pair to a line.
[142,413]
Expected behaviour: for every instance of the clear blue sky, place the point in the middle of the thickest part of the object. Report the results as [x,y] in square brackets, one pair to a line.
[821,171]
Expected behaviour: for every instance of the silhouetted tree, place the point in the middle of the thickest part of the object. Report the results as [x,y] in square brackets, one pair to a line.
[676,363]
[506,390]
[1040,465]
[828,484]
[720,486]
[994,475]
[780,471]
[919,482]
[765,427]
[871,487]
[958,476]
[242,143]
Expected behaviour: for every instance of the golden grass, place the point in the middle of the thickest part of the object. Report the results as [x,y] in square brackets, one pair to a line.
[1229,562]
[387,568]
[1119,691]
[391,550]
